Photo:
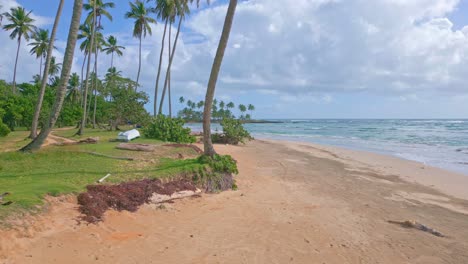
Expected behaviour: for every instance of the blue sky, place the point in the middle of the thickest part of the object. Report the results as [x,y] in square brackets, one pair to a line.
[310,59]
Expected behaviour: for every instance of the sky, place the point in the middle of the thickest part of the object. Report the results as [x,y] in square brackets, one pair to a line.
[295,59]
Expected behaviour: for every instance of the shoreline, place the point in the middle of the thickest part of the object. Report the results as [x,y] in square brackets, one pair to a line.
[446,181]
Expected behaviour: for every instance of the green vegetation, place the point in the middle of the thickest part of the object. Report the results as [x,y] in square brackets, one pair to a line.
[233,132]
[168,129]
[193,112]
[60,170]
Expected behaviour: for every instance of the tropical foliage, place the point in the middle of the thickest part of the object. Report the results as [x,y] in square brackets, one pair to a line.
[168,129]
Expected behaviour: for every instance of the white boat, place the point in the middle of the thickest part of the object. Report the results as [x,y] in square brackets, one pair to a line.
[128,135]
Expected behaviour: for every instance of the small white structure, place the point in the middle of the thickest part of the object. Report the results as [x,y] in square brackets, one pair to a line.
[128,135]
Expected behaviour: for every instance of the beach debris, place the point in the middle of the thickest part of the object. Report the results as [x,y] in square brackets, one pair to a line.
[107,156]
[128,135]
[161,198]
[415,225]
[127,196]
[136,147]
[2,196]
[90,140]
[195,148]
[104,178]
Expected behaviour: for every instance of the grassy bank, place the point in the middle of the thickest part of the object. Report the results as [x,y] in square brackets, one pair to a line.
[57,170]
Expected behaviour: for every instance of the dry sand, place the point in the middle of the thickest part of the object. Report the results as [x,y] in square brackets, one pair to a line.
[296,203]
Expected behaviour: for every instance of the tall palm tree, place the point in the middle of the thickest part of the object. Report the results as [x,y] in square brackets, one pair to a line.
[97,8]
[50,47]
[61,91]
[251,108]
[181,99]
[165,11]
[111,47]
[140,13]
[181,10]
[40,45]
[21,26]
[210,91]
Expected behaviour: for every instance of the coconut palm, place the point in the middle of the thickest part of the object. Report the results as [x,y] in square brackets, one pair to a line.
[140,13]
[210,91]
[50,47]
[230,105]
[97,8]
[73,89]
[21,26]
[65,75]
[111,47]
[181,100]
[54,67]
[40,45]
[251,108]
[165,11]
[181,10]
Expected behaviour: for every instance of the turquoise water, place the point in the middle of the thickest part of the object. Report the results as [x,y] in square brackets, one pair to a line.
[439,143]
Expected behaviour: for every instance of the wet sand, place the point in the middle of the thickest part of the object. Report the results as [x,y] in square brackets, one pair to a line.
[296,203]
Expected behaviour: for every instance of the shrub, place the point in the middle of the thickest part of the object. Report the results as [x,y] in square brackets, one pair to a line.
[233,132]
[216,174]
[4,130]
[168,129]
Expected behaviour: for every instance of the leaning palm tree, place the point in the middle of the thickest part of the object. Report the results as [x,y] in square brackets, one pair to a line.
[50,47]
[140,13]
[210,91]
[65,75]
[21,25]
[40,45]
[111,47]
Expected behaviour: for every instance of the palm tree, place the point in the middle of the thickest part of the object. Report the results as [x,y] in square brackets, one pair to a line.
[21,25]
[242,108]
[40,46]
[54,67]
[181,10]
[164,10]
[142,26]
[251,108]
[210,91]
[230,105]
[111,47]
[181,100]
[61,91]
[97,8]
[50,47]
[73,89]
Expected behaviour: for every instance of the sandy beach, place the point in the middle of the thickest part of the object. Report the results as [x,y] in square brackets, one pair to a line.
[296,203]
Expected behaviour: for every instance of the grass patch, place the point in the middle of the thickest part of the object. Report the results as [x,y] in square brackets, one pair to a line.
[57,170]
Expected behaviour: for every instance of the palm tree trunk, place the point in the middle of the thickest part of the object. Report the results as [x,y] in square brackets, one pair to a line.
[169,67]
[50,49]
[95,88]
[88,66]
[159,70]
[65,76]
[16,63]
[82,81]
[139,66]
[40,68]
[210,91]
[112,59]
[169,73]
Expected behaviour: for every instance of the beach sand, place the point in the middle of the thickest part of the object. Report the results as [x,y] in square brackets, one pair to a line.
[296,203]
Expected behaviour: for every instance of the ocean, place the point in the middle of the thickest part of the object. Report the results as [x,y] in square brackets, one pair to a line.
[438,143]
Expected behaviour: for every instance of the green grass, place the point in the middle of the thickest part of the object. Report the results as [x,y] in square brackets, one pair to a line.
[57,170]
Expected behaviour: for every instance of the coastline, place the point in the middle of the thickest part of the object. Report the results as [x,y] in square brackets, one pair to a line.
[296,202]
[448,182]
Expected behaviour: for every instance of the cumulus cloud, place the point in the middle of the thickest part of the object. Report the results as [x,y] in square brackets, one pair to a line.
[308,50]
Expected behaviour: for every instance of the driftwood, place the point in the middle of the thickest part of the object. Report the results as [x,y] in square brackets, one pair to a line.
[418,226]
[83,141]
[136,147]
[104,178]
[195,148]
[107,156]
